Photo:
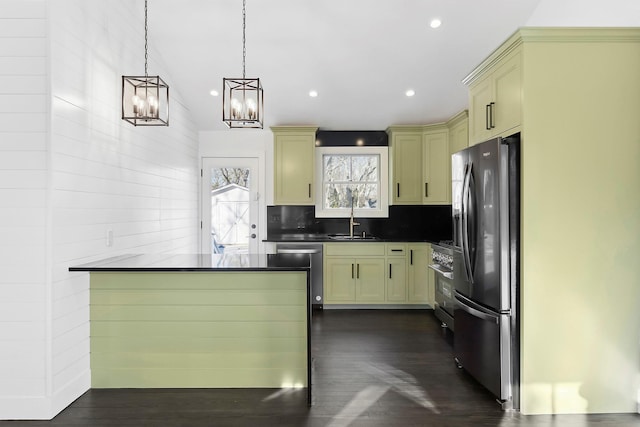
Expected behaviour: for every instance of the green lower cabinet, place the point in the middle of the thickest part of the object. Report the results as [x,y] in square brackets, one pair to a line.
[339,280]
[350,280]
[397,280]
[368,273]
[420,277]
[370,280]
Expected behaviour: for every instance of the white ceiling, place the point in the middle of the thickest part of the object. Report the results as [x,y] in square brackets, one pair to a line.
[360,55]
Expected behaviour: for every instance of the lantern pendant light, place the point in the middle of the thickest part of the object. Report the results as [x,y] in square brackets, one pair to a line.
[242,100]
[145,99]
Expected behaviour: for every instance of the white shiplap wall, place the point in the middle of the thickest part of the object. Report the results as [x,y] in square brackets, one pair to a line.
[23,203]
[79,174]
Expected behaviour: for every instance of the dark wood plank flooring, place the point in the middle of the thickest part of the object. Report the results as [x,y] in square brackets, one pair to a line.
[371,368]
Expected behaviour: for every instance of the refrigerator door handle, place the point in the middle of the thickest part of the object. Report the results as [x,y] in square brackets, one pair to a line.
[466,187]
[463,304]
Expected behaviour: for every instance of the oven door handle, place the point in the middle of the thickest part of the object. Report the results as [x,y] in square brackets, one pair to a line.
[297,251]
[437,269]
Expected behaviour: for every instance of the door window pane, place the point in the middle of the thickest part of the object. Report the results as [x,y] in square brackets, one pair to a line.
[230,210]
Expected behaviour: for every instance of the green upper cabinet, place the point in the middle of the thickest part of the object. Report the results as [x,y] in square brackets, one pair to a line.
[495,100]
[420,165]
[294,165]
[436,162]
[480,99]
[458,132]
[406,165]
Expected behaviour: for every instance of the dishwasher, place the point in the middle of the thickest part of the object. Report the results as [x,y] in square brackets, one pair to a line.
[314,250]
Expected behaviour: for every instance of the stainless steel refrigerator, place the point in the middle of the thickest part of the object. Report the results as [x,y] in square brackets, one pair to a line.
[486,229]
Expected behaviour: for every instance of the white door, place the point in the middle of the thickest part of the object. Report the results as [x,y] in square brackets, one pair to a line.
[230,205]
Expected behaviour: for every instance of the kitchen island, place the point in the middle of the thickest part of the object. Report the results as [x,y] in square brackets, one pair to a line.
[201,321]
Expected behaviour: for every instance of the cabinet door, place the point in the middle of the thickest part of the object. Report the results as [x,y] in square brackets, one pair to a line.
[420,285]
[437,166]
[294,168]
[496,101]
[459,137]
[480,96]
[339,280]
[370,280]
[507,84]
[396,279]
[407,168]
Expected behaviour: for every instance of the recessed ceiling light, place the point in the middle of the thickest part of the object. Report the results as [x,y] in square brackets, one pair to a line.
[214,93]
[410,92]
[313,93]
[435,23]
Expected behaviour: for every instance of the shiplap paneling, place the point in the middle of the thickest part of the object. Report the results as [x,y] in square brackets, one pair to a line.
[23,66]
[10,46]
[23,103]
[245,329]
[107,174]
[23,160]
[31,27]
[20,9]
[9,330]
[70,170]
[21,140]
[23,202]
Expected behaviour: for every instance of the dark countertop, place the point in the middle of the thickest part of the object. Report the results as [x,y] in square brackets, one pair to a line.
[326,238]
[199,262]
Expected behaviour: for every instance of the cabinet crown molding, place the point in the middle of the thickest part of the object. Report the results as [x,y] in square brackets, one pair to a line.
[458,118]
[579,34]
[552,35]
[418,128]
[404,128]
[282,129]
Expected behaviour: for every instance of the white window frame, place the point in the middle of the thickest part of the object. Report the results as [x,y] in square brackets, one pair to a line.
[382,211]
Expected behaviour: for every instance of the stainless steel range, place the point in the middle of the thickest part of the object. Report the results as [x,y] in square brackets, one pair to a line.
[442,259]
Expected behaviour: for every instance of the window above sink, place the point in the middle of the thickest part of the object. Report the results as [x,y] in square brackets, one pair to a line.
[349,177]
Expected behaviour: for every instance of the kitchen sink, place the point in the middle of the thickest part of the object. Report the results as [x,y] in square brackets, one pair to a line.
[347,237]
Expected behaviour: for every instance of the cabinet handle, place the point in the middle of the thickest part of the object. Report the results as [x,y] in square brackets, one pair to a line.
[487,114]
[411,257]
[398,190]
[389,271]
[396,250]
[352,271]
[426,189]
[309,190]
[357,271]
[492,121]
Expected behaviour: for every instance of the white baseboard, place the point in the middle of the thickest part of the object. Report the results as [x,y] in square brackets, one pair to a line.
[70,392]
[44,407]
[25,408]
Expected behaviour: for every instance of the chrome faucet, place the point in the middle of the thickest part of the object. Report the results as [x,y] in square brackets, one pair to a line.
[352,222]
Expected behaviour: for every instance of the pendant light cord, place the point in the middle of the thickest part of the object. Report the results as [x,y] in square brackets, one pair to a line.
[244,36]
[146,40]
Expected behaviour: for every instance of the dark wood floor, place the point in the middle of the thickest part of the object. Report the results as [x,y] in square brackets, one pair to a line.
[371,368]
